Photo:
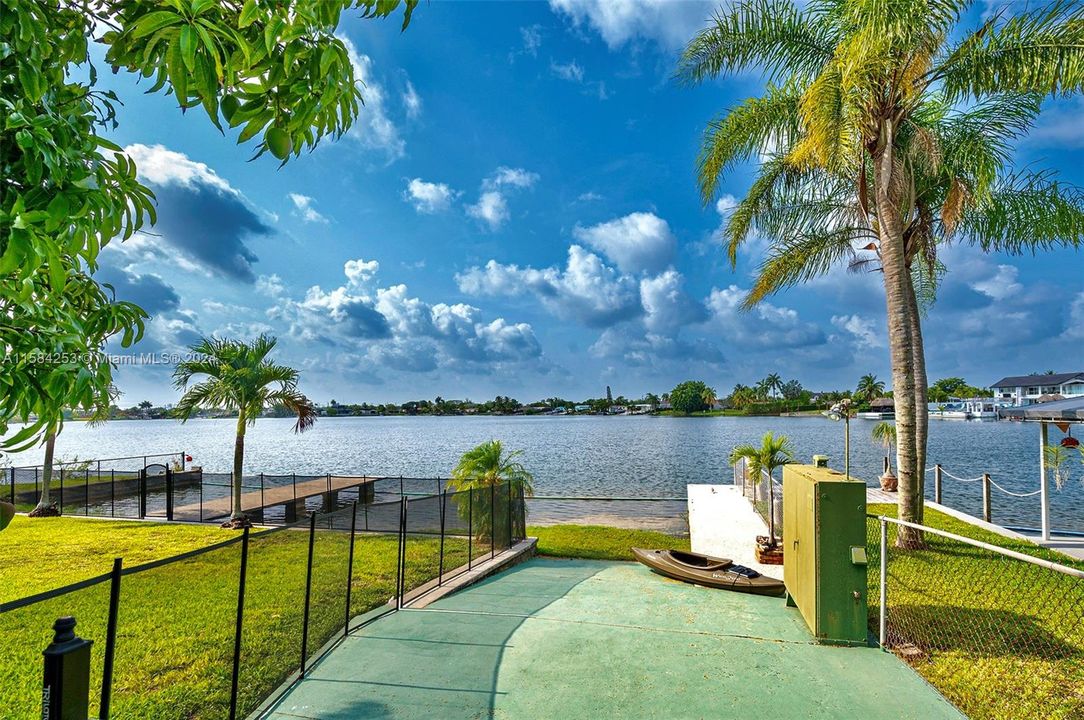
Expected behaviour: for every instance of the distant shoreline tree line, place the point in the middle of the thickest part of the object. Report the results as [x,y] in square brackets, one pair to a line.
[771,395]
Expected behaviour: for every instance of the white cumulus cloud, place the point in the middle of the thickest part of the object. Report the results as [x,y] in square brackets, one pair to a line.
[586,289]
[640,241]
[670,24]
[491,208]
[374,129]
[303,205]
[428,197]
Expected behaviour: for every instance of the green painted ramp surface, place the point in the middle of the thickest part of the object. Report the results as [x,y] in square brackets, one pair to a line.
[568,639]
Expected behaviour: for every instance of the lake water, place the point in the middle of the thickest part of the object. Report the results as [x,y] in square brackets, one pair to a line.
[596,456]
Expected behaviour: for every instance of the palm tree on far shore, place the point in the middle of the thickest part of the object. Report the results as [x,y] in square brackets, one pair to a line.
[774,384]
[774,452]
[869,387]
[887,128]
[238,376]
[709,397]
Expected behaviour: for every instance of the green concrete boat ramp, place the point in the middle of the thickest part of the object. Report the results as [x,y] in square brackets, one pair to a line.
[570,639]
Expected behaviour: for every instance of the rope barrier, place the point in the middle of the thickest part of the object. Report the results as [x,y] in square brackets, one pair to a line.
[1033,493]
[954,477]
[1014,494]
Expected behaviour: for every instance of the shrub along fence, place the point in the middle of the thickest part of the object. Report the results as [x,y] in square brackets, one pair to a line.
[214,632]
[999,633]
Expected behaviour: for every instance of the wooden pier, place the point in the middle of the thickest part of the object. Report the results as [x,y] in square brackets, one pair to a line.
[292,497]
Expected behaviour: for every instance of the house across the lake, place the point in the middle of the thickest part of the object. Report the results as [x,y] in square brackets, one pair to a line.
[1030,389]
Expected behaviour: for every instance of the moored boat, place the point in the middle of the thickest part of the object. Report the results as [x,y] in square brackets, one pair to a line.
[708,571]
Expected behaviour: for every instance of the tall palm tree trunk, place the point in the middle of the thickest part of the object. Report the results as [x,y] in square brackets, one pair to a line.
[238,466]
[44,507]
[900,336]
[922,406]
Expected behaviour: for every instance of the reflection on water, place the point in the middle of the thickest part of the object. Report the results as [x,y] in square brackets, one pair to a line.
[599,456]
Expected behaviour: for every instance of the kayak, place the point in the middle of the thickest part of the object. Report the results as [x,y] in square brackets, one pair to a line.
[708,571]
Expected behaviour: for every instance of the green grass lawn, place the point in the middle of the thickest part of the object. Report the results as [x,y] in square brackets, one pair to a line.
[594,542]
[999,638]
[77,549]
[175,636]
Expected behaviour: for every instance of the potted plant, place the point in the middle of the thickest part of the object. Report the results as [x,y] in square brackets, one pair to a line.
[884,434]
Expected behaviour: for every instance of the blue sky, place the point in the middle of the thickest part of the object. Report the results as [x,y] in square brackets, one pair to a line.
[515,212]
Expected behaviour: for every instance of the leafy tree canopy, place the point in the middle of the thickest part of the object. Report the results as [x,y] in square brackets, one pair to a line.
[276,70]
[691,396]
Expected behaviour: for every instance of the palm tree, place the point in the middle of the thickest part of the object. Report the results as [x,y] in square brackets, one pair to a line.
[773,383]
[884,433]
[708,396]
[869,387]
[886,130]
[482,467]
[774,452]
[238,376]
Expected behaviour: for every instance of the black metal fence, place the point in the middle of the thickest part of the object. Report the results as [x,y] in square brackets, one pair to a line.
[214,632]
[100,487]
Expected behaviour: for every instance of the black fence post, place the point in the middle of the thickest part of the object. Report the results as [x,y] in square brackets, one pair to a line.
[400,486]
[492,521]
[262,503]
[293,480]
[470,527]
[440,565]
[169,494]
[110,640]
[143,493]
[86,496]
[112,492]
[60,504]
[350,566]
[66,686]
[201,496]
[400,561]
[308,596]
[238,625]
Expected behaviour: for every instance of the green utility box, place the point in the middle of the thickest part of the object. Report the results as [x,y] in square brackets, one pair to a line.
[824,537]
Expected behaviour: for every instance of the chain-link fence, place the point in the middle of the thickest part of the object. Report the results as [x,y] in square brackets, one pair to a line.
[213,632]
[997,632]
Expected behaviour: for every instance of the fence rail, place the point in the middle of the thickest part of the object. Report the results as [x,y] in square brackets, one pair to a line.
[257,609]
[999,632]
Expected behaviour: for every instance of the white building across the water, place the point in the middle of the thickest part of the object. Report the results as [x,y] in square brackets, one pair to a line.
[1031,389]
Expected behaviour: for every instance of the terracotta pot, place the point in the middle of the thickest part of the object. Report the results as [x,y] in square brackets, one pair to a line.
[889,482]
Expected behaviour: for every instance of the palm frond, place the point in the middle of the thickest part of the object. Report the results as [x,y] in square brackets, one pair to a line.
[746,130]
[771,35]
[801,259]
[1026,212]
[297,403]
[1040,51]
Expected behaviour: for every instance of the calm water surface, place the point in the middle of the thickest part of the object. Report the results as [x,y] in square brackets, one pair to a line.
[592,455]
